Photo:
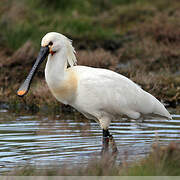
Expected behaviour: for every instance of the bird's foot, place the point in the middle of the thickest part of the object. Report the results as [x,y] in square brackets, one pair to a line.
[106,141]
[113,145]
[109,142]
[105,147]
[109,151]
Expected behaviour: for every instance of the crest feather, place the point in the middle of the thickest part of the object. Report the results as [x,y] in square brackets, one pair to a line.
[71,58]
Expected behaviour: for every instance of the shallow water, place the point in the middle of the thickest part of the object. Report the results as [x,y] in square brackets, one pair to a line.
[41,140]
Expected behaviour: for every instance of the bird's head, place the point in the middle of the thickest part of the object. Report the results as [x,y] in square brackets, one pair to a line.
[54,41]
[51,44]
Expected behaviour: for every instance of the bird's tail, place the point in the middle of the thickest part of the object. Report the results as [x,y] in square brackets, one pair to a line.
[161,110]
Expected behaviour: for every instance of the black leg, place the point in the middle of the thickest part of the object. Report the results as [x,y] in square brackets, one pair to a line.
[105,141]
[106,133]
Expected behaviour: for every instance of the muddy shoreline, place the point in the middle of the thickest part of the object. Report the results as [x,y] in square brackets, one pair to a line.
[161,81]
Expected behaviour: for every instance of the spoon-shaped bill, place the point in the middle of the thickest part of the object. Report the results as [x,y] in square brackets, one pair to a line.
[44,51]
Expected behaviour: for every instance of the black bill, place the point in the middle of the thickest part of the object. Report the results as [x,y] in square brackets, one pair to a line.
[44,51]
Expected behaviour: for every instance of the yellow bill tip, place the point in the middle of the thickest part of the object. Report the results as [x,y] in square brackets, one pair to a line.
[21,92]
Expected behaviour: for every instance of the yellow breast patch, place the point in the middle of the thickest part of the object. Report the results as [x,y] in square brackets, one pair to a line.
[66,91]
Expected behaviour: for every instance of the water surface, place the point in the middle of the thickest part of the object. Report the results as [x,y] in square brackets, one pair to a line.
[41,140]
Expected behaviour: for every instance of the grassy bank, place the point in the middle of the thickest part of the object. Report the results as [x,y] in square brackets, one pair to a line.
[137,38]
[162,161]
[80,20]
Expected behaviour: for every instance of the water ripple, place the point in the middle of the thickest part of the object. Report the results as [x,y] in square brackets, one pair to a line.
[42,140]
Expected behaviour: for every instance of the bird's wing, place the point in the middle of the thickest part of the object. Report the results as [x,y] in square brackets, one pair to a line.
[114,92]
[107,86]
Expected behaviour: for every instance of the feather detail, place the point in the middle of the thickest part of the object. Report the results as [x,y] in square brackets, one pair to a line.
[71,58]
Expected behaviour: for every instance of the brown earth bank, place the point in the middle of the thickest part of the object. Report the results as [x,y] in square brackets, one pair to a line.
[149,55]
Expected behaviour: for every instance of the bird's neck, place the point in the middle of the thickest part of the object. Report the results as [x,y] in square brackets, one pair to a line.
[61,81]
[56,66]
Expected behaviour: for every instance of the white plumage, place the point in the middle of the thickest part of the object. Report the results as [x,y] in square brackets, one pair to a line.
[99,94]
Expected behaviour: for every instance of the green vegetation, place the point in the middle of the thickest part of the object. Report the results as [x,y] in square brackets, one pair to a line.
[137,38]
[95,20]
[163,161]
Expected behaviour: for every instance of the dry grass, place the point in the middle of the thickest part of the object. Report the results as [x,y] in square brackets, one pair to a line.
[97,58]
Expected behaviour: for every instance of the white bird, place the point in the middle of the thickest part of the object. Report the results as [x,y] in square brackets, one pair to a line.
[99,94]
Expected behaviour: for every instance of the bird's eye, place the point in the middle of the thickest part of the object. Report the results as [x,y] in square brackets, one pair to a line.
[50,43]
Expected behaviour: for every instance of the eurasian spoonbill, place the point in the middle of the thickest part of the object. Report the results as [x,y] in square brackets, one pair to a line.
[99,94]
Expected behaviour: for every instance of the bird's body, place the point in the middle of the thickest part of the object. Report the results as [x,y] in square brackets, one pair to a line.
[99,94]
[102,94]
